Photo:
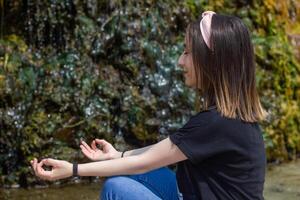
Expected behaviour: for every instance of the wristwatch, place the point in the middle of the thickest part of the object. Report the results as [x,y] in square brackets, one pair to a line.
[75,169]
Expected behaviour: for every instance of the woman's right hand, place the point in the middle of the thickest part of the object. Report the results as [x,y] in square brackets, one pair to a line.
[106,152]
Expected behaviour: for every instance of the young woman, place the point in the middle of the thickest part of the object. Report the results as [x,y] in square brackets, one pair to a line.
[220,151]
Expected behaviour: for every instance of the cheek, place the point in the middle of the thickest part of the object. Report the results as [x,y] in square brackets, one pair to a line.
[192,75]
[189,61]
[191,68]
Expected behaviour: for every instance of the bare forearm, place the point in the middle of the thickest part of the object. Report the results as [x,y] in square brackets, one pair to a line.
[121,166]
[129,164]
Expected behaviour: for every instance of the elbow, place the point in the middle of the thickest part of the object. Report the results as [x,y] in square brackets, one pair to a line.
[140,169]
[148,168]
[142,166]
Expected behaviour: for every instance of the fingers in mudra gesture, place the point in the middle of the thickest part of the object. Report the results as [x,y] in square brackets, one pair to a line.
[106,152]
[59,169]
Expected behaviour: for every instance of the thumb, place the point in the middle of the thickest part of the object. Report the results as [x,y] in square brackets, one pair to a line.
[50,162]
[102,142]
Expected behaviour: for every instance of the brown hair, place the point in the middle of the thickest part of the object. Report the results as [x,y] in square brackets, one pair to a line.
[225,74]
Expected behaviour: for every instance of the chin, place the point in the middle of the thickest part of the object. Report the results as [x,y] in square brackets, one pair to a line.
[189,84]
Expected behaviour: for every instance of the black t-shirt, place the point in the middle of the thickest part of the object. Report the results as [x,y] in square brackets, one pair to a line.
[226,158]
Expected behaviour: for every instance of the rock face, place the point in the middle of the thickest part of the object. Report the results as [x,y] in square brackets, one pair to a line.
[77,70]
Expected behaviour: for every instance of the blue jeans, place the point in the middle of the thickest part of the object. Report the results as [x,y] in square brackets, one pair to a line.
[154,185]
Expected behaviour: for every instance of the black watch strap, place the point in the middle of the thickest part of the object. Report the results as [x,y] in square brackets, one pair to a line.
[75,169]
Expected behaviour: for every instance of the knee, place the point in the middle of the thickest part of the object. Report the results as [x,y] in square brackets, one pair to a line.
[113,187]
[113,182]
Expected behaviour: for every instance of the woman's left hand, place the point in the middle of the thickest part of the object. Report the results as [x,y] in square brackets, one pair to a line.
[59,169]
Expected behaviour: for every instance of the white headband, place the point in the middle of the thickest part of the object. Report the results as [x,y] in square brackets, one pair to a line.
[205,26]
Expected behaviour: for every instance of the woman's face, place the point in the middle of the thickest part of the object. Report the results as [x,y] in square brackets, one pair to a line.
[186,62]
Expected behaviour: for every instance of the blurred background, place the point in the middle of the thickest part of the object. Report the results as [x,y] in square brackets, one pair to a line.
[72,70]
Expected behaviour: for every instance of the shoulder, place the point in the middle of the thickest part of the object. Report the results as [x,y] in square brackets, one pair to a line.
[213,120]
[203,118]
